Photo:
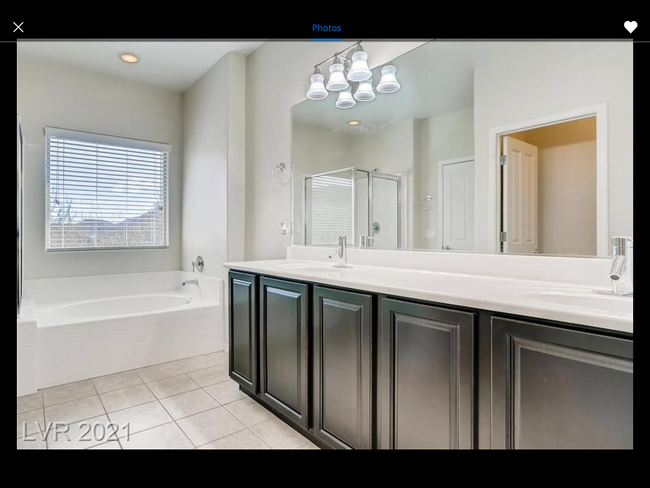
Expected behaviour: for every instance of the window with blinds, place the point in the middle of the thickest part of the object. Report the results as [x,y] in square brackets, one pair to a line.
[329,208]
[105,192]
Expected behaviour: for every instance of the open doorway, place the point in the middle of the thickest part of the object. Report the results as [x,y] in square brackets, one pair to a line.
[549,189]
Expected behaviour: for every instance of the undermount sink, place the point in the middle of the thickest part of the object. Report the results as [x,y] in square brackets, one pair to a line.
[578,297]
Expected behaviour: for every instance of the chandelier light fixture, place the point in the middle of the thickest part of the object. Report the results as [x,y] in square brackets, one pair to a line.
[337,81]
[359,70]
[365,92]
[347,70]
[345,99]
[388,82]
[317,89]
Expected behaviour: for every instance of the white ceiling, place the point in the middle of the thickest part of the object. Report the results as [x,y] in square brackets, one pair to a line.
[174,66]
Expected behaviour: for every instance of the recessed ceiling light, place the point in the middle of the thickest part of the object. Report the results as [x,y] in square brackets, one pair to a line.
[354,122]
[129,58]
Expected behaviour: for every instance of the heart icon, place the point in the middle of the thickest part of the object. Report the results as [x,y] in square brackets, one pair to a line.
[630,26]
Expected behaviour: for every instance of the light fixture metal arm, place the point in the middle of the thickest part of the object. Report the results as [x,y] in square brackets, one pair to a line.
[335,55]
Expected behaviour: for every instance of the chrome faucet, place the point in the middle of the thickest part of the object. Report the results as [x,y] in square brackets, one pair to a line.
[190,282]
[198,264]
[622,266]
[342,251]
[366,242]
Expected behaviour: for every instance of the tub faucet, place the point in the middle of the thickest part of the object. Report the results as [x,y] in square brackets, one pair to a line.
[190,282]
[342,251]
[622,266]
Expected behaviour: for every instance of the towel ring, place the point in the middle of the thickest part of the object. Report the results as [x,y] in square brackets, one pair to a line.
[279,174]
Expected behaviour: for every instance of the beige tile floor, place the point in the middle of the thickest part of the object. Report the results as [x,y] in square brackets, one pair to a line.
[185,404]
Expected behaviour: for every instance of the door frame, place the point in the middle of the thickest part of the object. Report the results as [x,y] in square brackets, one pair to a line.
[386,176]
[494,168]
[440,227]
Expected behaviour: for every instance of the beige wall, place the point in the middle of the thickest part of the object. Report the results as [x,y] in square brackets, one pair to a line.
[314,150]
[390,149]
[447,136]
[206,113]
[71,98]
[278,78]
[567,186]
[551,78]
[213,166]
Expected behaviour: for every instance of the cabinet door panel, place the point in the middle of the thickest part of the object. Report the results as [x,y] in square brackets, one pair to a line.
[559,388]
[426,377]
[284,347]
[343,368]
[243,363]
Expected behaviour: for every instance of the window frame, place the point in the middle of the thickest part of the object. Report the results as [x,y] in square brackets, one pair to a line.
[96,138]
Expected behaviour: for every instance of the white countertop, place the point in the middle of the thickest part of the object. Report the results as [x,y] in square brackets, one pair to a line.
[542,299]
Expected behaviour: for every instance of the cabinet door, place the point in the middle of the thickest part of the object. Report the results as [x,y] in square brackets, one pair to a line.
[426,376]
[343,368]
[558,388]
[284,347]
[243,363]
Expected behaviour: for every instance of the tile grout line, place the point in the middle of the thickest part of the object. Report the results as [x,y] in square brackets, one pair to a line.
[108,415]
[230,435]
[154,396]
[260,438]
[47,448]
[219,405]
[135,370]
[103,407]
[170,416]
[68,401]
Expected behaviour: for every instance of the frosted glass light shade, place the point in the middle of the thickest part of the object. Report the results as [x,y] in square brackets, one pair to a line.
[359,70]
[365,92]
[337,81]
[388,82]
[317,89]
[345,99]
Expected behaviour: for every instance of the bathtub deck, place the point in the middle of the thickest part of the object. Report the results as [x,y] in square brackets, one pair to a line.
[185,404]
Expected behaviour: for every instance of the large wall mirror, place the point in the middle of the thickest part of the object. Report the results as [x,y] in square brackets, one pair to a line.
[517,147]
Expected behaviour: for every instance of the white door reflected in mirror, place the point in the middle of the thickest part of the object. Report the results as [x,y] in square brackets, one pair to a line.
[457,205]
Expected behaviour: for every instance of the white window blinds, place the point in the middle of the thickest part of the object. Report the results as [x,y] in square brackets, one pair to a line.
[105,192]
[329,207]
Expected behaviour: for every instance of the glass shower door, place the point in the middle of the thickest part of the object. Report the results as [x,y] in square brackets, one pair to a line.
[385,211]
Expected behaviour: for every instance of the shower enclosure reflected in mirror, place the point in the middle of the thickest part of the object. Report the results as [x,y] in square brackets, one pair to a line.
[359,204]
[487,147]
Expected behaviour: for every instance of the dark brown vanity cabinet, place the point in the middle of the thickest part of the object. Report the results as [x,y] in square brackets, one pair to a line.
[424,389]
[284,348]
[342,368]
[242,306]
[356,370]
[550,387]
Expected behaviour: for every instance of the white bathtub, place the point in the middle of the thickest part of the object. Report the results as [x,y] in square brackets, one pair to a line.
[77,328]
[115,307]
